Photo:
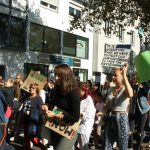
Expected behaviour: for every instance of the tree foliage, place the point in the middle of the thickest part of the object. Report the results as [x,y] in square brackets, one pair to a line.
[119,12]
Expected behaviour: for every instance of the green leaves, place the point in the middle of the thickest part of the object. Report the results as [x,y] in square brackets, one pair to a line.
[124,12]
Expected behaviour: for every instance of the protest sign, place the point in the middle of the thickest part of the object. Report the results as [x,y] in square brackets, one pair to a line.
[103,78]
[62,128]
[34,77]
[142,64]
[97,79]
[115,57]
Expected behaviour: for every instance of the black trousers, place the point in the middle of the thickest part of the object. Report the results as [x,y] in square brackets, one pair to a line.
[137,120]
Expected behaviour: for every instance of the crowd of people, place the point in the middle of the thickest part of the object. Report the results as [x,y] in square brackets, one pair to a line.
[112,112]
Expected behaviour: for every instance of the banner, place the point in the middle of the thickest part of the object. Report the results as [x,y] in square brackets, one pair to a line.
[61,127]
[34,77]
[142,64]
[115,57]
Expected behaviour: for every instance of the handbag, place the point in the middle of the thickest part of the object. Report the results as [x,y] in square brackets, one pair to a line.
[107,114]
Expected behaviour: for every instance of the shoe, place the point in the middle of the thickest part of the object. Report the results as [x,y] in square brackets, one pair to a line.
[49,147]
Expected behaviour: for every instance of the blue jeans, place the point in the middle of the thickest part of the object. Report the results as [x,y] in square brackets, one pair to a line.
[117,130]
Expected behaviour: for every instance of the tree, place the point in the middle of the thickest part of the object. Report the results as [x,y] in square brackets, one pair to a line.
[120,12]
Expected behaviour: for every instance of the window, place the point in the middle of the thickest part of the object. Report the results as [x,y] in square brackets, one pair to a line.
[121,33]
[69,43]
[51,40]
[75,45]
[17,35]
[82,47]
[52,4]
[74,12]
[44,39]
[108,28]
[3,26]
[15,30]
[82,74]
[132,38]
[36,37]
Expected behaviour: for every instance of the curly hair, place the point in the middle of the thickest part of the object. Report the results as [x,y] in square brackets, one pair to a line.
[36,86]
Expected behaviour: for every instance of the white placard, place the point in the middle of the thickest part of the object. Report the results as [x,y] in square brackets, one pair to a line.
[116,57]
[103,78]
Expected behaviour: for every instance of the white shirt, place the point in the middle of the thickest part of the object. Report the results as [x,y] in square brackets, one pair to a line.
[87,121]
[42,94]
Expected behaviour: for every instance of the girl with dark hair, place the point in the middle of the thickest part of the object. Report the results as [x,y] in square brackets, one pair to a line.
[66,98]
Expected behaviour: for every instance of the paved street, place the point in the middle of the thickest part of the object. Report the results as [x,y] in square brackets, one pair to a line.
[19,145]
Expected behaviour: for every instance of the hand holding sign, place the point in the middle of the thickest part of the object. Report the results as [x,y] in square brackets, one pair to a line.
[50,114]
[124,70]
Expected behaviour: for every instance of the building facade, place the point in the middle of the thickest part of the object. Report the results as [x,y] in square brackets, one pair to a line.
[126,37]
[34,35]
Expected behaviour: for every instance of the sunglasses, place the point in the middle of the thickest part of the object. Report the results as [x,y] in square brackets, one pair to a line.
[31,87]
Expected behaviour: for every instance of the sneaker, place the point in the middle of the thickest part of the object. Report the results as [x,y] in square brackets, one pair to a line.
[50,147]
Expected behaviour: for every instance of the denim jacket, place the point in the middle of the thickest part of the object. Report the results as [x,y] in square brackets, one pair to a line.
[142,99]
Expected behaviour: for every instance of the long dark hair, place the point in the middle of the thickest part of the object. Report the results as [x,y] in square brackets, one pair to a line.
[69,81]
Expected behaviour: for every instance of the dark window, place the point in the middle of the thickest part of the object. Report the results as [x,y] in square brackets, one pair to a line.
[76,46]
[52,6]
[132,38]
[74,12]
[69,42]
[36,37]
[121,33]
[78,13]
[71,11]
[3,26]
[51,40]
[15,30]
[108,28]
[44,3]
[17,33]
[44,39]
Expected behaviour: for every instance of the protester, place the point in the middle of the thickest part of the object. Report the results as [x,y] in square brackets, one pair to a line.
[67,98]
[31,115]
[8,91]
[87,113]
[3,125]
[116,127]
[99,105]
[49,89]
[104,89]
[1,81]
[89,84]
[138,112]
[18,94]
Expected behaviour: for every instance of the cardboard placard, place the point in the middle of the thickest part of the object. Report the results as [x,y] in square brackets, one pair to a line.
[103,78]
[34,77]
[61,127]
